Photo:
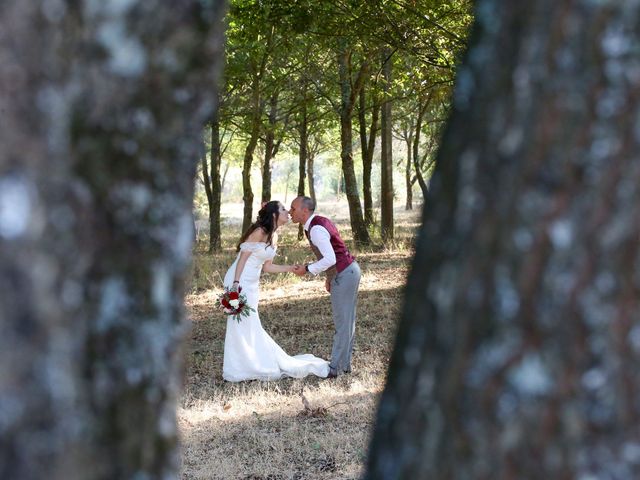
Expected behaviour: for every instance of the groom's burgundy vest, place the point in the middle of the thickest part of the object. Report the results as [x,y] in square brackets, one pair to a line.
[343,257]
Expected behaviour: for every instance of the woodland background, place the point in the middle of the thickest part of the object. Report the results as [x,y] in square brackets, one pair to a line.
[331,100]
[344,103]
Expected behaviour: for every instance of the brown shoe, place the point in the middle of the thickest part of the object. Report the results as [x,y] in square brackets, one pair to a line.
[332,373]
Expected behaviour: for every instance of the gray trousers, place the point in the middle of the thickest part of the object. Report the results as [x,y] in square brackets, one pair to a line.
[344,299]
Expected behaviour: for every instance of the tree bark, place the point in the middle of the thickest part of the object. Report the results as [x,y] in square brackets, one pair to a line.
[407,171]
[310,173]
[302,159]
[386,155]
[100,143]
[416,147]
[215,201]
[517,352]
[257,109]
[269,147]
[348,94]
[247,196]
[367,146]
[206,178]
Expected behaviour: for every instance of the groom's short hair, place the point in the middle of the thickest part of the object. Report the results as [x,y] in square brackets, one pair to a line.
[307,202]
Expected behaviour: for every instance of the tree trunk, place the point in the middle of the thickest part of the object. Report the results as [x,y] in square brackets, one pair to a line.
[416,148]
[517,353]
[358,227]
[247,196]
[302,160]
[386,156]
[257,109]
[206,180]
[407,172]
[224,177]
[96,192]
[310,168]
[269,148]
[216,187]
[367,145]
[286,185]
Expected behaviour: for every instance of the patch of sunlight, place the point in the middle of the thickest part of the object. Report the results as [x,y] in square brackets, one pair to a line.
[266,402]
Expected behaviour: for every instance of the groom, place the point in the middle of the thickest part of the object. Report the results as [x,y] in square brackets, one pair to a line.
[343,278]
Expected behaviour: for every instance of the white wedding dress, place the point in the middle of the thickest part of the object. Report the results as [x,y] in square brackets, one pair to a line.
[249,352]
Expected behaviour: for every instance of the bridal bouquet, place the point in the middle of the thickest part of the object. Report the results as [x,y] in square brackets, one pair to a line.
[234,303]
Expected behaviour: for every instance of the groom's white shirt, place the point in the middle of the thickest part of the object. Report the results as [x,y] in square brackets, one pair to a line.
[320,238]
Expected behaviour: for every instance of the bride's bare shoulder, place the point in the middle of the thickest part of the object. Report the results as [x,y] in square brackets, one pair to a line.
[258,235]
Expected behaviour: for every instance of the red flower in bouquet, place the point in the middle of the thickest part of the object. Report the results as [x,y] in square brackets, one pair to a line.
[234,303]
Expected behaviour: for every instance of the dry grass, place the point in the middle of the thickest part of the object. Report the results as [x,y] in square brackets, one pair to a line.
[267,430]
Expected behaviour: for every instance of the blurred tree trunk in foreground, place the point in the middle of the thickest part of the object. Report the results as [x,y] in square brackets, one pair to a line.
[102,109]
[517,356]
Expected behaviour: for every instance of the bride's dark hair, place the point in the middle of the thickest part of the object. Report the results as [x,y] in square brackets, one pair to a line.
[267,220]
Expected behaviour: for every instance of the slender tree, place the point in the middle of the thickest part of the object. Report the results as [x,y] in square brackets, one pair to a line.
[407,136]
[386,154]
[424,106]
[349,90]
[257,107]
[517,353]
[212,183]
[270,147]
[310,173]
[367,146]
[302,156]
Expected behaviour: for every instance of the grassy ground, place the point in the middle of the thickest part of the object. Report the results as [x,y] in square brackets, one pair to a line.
[290,429]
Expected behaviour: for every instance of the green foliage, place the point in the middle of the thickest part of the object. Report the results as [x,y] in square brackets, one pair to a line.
[289,48]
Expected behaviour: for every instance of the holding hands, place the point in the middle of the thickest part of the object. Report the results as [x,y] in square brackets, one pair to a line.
[299,270]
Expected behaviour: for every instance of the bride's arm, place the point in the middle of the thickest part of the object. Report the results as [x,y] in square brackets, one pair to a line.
[244,255]
[269,267]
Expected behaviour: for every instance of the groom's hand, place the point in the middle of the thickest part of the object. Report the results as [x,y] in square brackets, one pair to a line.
[299,270]
[327,285]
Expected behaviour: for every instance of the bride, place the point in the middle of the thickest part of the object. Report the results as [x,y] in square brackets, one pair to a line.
[249,352]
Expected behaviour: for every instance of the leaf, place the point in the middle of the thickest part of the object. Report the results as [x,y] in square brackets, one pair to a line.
[226,407]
